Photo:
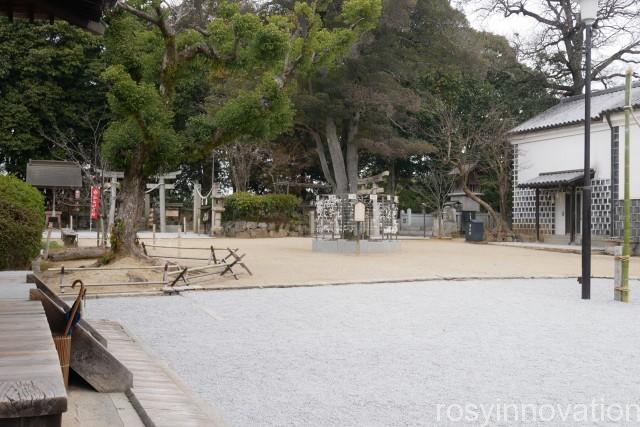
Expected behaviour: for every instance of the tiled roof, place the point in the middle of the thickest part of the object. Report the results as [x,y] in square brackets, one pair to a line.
[570,110]
[54,174]
[83,13]
[555,179]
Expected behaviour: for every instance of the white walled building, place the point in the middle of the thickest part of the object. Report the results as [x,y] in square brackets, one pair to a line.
[548,168]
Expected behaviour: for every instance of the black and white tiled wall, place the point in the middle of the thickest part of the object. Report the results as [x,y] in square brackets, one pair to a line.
[524,211]
[601,207]
[524,207]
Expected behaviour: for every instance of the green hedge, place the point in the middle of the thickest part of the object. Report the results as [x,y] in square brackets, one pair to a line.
[21,222]
[269,207]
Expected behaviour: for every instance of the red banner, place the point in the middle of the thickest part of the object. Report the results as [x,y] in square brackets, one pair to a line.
[95,202]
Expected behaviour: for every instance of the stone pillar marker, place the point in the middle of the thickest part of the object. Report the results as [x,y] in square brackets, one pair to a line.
[163,211]
[217,207]
[312,223]
[375,216]
[147,207]
[197,204]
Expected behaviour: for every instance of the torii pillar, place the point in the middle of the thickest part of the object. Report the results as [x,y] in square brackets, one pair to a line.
[162,187]
[197,205]
[114,177]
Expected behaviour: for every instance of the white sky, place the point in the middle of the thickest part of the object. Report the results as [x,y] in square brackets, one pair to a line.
[524,26]
[498,24]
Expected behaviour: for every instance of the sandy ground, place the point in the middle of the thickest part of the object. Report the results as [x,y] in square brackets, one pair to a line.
[125,272]
[389,354]
[290,262]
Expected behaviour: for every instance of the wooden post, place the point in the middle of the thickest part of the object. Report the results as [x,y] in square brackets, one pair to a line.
[46,246]
[184,226]
[626,250]
[537,214]
[618,286]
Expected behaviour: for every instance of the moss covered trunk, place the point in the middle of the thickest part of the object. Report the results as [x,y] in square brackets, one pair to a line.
[130,213]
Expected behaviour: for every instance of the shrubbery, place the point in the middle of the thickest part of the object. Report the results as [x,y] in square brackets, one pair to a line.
[269,207]
[21,222]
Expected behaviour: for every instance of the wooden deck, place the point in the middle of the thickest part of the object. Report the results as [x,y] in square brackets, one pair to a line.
[160,398]
[32,391]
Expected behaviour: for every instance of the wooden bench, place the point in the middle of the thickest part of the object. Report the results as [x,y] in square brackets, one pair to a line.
[90,358]
[32,391]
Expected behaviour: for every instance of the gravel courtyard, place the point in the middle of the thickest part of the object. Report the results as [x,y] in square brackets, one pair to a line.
[390,354]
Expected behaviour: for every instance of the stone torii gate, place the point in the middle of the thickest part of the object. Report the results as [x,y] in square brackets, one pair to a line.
[371,186]
[113,177]
[162,186]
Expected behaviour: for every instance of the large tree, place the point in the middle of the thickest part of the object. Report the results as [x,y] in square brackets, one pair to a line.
[467,116]
[369,105]
[49,87]
[557,43]
[249,58]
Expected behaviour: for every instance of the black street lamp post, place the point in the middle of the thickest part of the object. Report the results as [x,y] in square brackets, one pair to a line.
[588,12]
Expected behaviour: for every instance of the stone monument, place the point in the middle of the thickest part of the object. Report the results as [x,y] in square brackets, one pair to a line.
[365,222]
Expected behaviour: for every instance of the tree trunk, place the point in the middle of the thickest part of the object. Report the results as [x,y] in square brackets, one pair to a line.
[132,207]
[337,159]
[352,154]
[503,189]
[500,223]
[323,159]
[392,177]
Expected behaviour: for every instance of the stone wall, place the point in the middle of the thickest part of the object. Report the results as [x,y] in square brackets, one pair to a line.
[252,229]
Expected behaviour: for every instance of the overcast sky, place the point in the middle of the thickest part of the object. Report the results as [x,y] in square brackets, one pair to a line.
[498,24]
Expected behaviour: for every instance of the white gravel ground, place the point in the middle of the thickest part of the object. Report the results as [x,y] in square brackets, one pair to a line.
[387,355]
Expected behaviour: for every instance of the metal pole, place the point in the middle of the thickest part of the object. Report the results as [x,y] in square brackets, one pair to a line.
[586,189]
[424,222]
[627,196]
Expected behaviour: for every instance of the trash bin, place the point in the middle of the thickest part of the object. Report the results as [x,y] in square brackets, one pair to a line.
[475,231]
[465,217]
[63,345]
